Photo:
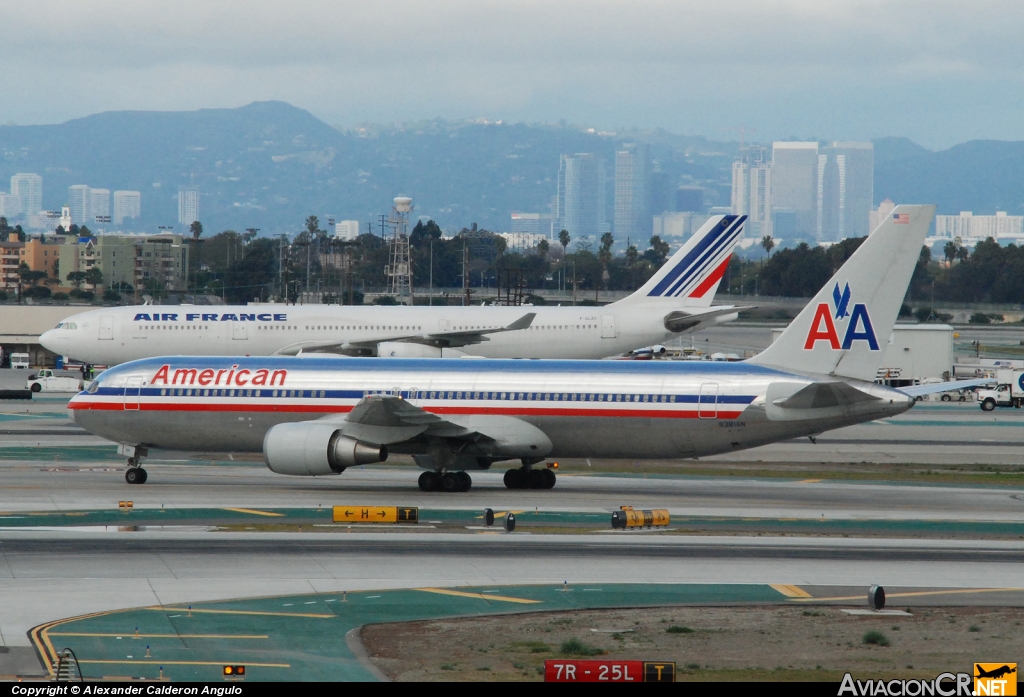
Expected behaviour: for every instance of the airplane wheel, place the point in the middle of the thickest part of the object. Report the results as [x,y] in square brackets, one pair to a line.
[466,480]
[450,481]
[535,479]
[549,479]
[513,479]
[143,476]
[429,482]
[132,476]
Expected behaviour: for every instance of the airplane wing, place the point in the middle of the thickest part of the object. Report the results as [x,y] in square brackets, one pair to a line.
[935,387]
[684,320]
[449,339]
[390,420]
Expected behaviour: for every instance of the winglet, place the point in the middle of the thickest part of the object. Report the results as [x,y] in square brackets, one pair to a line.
[522,323]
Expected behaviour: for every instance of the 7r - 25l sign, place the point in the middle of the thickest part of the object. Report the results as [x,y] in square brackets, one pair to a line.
[560,670]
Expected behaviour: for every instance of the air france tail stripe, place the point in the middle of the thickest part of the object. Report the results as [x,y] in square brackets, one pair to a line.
[695,253]
[711,258]
[711,280]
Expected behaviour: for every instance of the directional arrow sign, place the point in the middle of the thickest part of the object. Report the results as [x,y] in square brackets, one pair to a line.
[375,514]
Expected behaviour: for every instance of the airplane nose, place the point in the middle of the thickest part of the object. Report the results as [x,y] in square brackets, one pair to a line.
[49,341]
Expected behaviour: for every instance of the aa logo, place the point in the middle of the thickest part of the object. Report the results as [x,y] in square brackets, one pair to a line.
[995,679]
[857,323]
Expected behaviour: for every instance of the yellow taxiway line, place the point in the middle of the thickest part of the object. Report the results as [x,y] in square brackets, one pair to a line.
[244,612]
[791,591]
[916,594]
[479,596]
[255,512]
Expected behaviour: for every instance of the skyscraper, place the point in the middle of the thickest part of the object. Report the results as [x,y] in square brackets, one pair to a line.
[795,189]
[632,190]
[28,188]
[847,189]
[188,205]
[127,204]
[581,197]
[78,201]
[752,191]
[99,205]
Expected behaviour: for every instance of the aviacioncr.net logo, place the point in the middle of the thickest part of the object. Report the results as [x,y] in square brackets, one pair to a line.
[855,323]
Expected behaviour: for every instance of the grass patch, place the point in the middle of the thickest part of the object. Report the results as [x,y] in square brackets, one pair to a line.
[575,647]
[875,638]
[676,629]
[447,666]
[974,628]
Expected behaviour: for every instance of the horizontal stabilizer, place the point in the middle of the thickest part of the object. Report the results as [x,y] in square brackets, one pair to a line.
[821,395]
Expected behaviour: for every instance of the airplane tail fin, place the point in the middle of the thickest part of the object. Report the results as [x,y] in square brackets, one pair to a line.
[843,331]
[695,271]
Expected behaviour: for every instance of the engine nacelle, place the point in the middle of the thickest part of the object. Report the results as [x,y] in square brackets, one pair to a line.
[311,449]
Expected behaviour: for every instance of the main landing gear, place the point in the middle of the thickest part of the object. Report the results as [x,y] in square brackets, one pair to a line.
[528,478]
[135,473]
[445,481]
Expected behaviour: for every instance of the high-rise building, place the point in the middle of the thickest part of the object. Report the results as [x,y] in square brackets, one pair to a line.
[632,190]
[846,175]
[661,192]
[881,213]
[78,201]
[10,205]
[28,187]
[188,205]
[752,191]
[346,229]
[532,224]
[99,206]
[581,195]
[127,204]
[795,189]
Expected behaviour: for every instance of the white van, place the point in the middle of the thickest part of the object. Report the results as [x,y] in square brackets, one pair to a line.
[19,360]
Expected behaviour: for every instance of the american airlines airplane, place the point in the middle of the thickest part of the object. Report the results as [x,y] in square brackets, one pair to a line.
[320,415]
[676,299]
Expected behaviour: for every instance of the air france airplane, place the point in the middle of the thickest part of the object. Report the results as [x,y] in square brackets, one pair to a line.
[320,415]
[676,299]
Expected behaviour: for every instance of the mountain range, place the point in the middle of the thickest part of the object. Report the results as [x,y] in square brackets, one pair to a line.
[269,165]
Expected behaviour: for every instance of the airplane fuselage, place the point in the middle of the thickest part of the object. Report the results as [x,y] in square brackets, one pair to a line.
[115,335]
[614,409]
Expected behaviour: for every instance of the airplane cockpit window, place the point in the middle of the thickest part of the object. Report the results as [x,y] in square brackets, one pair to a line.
[94,387]
[59,325]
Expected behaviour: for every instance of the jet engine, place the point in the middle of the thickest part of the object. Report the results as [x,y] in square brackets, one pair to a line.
[311,449]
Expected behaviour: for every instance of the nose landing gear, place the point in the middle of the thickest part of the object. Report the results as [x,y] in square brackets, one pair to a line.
[135,473]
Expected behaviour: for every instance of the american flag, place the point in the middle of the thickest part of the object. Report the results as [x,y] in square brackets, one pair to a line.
[901,218]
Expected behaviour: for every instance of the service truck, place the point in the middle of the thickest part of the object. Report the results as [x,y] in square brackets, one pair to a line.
[19,360]
[46,381]
[1008,392]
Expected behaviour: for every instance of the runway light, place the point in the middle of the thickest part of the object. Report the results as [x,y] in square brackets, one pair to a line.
[553,465]
[234,671]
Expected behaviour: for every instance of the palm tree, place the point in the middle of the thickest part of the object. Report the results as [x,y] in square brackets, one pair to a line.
[564,239]
[768,243]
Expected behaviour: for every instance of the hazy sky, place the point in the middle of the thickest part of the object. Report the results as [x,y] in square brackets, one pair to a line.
[936,71]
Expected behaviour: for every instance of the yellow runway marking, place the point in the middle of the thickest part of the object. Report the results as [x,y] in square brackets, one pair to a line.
[243,612]
[791,591]
[916,594]
[166,636]
[255,512]
[185,663]
[809,481]
[480,596]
